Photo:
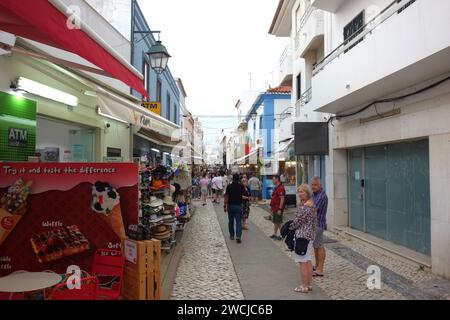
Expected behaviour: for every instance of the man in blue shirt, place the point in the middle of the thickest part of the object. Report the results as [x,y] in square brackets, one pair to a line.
[321,203]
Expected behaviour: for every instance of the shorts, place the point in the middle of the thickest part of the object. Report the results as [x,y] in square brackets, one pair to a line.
[277,218]
[204,191]
[254,193]
[213,191]
[219,192]
[318,242]
[307,257]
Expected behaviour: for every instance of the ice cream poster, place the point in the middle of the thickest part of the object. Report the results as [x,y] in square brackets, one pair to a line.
[53,215]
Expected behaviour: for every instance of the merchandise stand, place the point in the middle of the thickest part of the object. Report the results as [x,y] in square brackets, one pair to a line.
[159,215]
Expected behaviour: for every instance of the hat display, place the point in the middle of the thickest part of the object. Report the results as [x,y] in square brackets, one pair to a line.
[168,201]
[155,202]
[160,229]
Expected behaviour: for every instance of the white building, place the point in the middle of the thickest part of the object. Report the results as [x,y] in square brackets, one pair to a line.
[382,68]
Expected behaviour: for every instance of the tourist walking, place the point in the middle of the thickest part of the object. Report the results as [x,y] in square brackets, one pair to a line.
[217,187]
[321,204]
[233,206]
[204,183]
[304,224]
[277,206]
[254,186]
[245,204]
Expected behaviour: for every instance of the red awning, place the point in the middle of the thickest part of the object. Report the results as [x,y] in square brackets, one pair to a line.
[40,21]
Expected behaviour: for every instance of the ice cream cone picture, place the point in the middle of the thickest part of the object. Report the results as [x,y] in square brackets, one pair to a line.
[106,202]
[13,207]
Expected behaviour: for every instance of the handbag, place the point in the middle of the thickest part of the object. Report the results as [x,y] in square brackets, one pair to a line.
[301,246]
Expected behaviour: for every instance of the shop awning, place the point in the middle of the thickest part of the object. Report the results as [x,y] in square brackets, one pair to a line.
[152,126]
[242,160]
[45,21]
[283,147]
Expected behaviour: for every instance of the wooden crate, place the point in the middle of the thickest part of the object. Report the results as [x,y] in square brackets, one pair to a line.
[142,280]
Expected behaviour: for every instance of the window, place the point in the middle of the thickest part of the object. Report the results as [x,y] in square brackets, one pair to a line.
[168,107]
[299,86]
[113,152]
[158,90]
[146,71]
[354,28]
[175,112]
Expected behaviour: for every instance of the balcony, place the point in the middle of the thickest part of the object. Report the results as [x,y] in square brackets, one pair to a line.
[327,5]
[305,98]
[404,45]
[286,69]
[311,31]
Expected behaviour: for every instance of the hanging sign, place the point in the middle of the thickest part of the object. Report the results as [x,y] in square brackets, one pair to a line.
[154,107]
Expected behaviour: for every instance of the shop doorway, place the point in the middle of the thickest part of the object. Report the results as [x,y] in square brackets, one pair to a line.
[389,193]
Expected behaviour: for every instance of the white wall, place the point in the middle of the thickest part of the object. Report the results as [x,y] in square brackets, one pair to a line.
[387,60]
[116,12]
[440,203]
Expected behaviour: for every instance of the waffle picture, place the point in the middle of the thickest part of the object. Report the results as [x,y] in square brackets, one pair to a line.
[58,243]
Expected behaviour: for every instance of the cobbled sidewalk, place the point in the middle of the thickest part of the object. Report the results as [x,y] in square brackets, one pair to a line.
[346,265]
[206,271]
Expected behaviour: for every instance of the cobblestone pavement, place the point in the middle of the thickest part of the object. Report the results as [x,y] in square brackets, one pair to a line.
[346,264]
[206,271]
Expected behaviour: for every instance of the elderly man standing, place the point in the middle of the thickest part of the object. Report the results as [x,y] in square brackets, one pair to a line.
[321,204]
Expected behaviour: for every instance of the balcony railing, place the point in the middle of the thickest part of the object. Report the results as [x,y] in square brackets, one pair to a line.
[394,8]
[304,100]
[309,10]
[287,53]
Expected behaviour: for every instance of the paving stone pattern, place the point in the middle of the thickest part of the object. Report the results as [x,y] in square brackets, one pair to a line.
[346,264]
[206,271]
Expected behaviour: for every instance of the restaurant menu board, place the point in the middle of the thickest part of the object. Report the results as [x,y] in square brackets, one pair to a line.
[54,215]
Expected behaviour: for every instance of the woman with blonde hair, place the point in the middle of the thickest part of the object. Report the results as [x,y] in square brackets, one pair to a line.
[304,225]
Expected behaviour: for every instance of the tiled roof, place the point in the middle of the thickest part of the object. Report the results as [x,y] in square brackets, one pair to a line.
[282,89]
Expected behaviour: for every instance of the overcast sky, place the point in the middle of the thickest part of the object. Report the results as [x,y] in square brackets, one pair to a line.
[214,45]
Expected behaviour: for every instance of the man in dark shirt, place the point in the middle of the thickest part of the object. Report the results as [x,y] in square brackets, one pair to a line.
[233,206]
[321,203]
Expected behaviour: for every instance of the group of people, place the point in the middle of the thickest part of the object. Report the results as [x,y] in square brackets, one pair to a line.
[209,184]
[308,227]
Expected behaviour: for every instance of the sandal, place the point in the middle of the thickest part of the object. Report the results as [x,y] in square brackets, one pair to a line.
[302,289]
[317,274]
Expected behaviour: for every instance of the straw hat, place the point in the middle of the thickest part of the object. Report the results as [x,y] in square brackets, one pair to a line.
[168,201]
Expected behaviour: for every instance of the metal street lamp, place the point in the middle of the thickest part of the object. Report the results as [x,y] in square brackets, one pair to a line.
[159,57]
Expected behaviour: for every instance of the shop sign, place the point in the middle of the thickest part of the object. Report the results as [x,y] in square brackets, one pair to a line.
[18,137]
[154,107]
[152,124]
[112,159]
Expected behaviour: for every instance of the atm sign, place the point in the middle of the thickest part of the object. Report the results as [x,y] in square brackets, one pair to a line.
[153,107]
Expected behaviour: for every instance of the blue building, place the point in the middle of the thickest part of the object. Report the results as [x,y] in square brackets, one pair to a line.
[263,121]
[161,87]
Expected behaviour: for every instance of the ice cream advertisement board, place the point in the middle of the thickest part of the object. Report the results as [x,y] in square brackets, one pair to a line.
[53,215]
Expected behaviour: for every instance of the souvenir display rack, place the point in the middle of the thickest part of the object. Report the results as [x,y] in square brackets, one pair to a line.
[159,216]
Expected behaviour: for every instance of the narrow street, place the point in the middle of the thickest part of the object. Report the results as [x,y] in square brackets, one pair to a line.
[214,267]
